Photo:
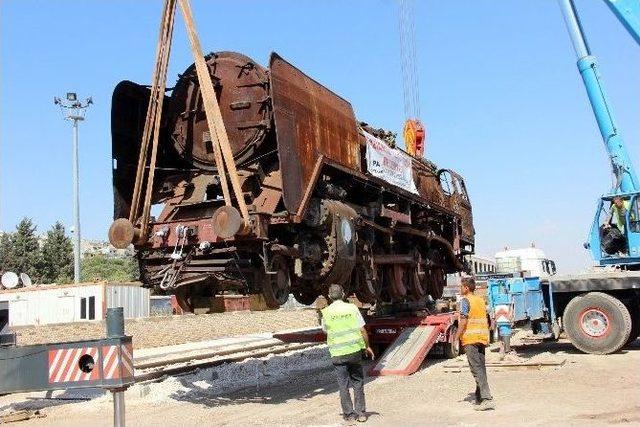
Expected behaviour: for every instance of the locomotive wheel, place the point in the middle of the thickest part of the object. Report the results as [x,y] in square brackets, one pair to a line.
[415,287]
[367,285]
[305,297]
[276,285]
[397,278]
[368,279]
[184,300]
[435,280]
[414,282]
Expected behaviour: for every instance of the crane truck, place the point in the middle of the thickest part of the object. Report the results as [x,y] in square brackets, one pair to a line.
[598,310]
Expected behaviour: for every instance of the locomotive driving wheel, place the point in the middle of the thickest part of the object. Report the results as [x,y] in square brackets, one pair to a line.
[184,300]
[435,280]
[368,279]
[415,284]
[398,276]
[305,297]
[276,284]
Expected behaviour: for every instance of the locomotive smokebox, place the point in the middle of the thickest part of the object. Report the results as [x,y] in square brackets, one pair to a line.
[242,89]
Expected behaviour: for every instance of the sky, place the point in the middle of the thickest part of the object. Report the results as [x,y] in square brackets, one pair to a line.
[500,96]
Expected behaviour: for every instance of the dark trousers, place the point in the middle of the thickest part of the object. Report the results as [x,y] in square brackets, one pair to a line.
[475,356]
[350,373]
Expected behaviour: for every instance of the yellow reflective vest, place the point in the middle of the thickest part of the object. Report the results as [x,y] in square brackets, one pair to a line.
[477,331]
[342,324]
[620,214]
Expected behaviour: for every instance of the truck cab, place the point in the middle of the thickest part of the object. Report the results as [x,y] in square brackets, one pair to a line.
[531,262]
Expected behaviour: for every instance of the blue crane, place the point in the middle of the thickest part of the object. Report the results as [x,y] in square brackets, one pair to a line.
[610,245]
[598,310]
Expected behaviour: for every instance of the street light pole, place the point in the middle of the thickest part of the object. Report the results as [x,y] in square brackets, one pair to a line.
[76,206]
[74,111]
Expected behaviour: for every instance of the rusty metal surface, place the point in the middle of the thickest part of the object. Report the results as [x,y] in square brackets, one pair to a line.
[271,193]
[243,95]
[428,184]
[395,215]
[310,121]
[458,201]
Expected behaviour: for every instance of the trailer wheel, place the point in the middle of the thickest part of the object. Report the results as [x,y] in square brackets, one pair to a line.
[597,323]
[452,349]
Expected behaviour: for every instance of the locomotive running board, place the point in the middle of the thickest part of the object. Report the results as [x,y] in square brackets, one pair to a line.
[405,355]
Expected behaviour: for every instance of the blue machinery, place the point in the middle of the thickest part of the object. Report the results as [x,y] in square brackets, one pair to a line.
[626,181]
[519,301]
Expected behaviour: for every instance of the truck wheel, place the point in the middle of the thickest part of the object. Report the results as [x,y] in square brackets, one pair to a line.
[597,323]
[635,324]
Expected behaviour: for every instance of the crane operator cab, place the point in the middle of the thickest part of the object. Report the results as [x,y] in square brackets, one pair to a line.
[615,234]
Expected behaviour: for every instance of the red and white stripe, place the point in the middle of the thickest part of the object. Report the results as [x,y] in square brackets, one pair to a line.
[64,365]
[117,361]
[127,359]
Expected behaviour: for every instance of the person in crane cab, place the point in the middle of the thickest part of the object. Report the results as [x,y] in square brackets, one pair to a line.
[347,340]
[473,333]
[619,209]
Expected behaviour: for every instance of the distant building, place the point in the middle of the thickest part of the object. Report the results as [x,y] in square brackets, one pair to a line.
[481,264]
[91,248]
[478,265]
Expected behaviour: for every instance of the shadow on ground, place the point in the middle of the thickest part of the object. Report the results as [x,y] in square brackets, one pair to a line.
[49,400]
[561,346]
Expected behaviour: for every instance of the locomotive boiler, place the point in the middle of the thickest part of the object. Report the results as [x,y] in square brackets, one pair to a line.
[329,199]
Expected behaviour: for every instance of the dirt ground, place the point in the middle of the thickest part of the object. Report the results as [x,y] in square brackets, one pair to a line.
[169,330]
[586,390]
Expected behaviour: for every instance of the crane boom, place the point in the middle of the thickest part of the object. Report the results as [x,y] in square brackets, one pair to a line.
[628,12]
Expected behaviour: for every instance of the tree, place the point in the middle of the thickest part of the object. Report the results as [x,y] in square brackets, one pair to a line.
[6,253]
[100,267]
[57,256]
[23,252]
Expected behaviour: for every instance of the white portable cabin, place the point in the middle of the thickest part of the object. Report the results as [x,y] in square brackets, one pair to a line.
[46,304]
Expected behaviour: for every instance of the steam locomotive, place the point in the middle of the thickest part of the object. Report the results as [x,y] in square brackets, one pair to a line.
[330,199]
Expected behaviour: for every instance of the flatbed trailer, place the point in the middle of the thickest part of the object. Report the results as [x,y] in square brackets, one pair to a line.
[401,342]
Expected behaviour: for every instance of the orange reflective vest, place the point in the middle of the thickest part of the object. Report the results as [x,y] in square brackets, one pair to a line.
[477,331]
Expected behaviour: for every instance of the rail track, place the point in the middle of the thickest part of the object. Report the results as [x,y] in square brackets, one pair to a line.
[155,364]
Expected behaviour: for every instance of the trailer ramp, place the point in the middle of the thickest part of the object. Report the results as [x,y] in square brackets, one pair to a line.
[405,355]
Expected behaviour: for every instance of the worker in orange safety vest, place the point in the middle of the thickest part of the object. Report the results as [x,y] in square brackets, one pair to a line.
[473,333]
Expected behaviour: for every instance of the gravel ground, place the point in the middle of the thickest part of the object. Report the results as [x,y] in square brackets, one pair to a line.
[169,330]
[299,388]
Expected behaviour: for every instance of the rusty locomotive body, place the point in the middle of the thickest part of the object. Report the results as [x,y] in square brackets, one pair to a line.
[318,215]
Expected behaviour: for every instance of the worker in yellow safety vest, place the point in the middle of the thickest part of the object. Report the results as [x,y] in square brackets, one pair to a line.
[618,215]
[347,339]
[473,333]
